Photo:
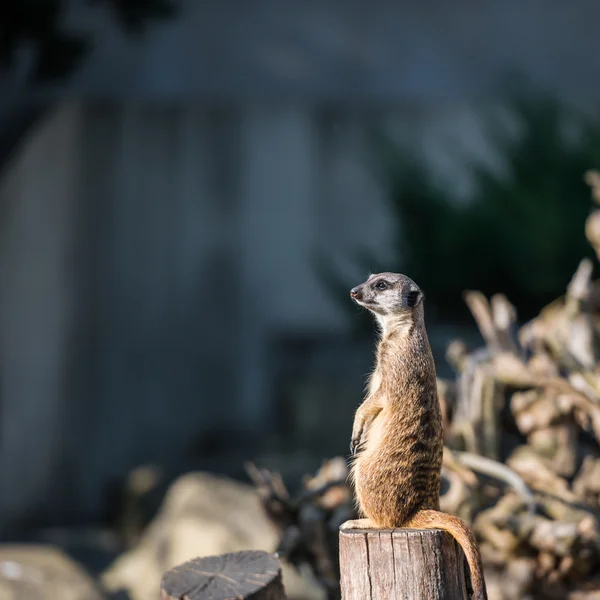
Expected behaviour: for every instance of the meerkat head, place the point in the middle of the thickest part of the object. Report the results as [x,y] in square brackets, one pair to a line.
[391,297]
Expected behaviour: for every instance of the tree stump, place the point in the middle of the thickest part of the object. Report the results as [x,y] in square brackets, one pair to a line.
[408,564]
[234,576]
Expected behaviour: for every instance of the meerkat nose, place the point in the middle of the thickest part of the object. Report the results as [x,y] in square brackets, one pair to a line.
[354,292]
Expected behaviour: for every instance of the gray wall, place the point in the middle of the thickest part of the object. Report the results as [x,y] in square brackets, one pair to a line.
[38,198]
[373,53]
[150,254]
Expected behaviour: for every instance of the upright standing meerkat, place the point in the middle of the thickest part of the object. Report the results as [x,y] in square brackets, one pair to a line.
[397,439]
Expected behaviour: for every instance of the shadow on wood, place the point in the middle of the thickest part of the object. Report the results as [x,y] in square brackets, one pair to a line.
[235,576]
[411,564]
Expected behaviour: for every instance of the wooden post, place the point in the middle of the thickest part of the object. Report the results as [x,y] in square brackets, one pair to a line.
[235,576]
[408,564]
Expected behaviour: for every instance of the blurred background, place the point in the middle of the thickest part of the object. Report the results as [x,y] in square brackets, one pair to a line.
[189,189]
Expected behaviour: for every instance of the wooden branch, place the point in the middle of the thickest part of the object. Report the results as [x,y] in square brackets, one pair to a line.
[497,470]
[235,576]
[401,563]
[482,313]
[504,316]
[580,286]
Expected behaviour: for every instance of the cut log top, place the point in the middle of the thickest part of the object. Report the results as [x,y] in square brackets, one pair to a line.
[412,564]
[234,576]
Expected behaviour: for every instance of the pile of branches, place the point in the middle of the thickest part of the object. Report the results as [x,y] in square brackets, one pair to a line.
[522,450]
[524,413]
[308,524]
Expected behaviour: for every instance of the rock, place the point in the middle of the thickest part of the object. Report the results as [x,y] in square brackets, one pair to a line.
[42,572]
[201,515]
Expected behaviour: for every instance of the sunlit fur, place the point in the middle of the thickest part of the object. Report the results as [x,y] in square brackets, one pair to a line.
[397,434]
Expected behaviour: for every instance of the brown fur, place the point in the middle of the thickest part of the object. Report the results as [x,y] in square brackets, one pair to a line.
[397,434]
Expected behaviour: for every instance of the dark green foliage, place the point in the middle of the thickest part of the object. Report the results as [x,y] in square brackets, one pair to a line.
[522,232]
[134,14]
[57,50]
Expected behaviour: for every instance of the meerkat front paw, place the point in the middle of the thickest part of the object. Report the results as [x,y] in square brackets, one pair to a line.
[365,415]
[355,444]
[358,439]
[359,434]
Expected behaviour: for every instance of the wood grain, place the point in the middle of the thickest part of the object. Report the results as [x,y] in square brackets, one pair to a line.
[407,564]
[234,576]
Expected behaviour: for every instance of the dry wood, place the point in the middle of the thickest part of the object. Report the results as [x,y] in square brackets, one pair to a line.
[309,522]
[234,576]
[504,316]
[482,313]
[402,563]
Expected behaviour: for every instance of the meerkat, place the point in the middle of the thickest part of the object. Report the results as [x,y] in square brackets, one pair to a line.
[397,443]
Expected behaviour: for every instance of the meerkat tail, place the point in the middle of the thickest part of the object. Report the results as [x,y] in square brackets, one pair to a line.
[458,529]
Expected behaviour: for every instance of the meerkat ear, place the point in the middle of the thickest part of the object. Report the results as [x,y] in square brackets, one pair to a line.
[412,298]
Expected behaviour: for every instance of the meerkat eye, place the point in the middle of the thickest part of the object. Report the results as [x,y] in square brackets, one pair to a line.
[382,285]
